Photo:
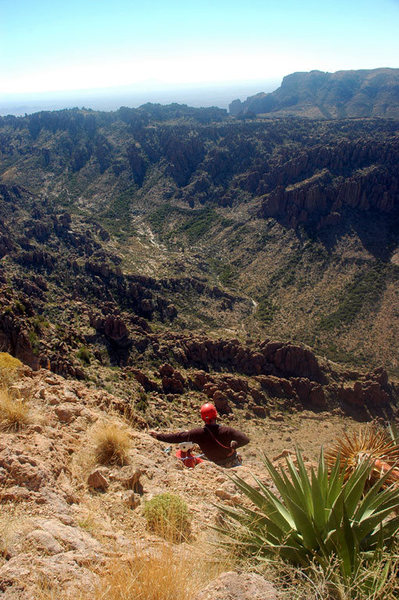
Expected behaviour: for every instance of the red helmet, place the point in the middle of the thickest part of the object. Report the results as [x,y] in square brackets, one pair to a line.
[208,412]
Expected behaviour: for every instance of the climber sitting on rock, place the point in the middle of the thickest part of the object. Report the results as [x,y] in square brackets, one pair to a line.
[217,442]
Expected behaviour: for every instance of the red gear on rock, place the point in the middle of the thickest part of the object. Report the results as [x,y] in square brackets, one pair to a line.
[188,459]
[208,412]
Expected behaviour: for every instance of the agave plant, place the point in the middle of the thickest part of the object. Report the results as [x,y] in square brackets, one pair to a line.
[377,446]
[315,516]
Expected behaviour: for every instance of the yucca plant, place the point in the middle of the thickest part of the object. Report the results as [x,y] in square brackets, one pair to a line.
[315,517]
[377,445]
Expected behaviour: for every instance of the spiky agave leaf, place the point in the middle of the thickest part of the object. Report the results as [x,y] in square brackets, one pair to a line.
[371,444]
[315,515]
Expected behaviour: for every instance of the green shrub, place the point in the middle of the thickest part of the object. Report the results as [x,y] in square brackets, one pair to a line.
[34,341]
[365,290]
[142,403]
[20,307]
[158,217]
[84,355]
[167,516]
[316,517]
[266,310]
[199,224]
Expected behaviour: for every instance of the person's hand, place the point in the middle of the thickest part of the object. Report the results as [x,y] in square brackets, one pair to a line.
[153,434]
[233,444]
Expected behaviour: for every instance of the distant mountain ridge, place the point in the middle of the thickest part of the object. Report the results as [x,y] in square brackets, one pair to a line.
[322,95]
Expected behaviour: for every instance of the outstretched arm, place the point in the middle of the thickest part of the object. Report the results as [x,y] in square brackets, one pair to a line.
[173,438]
[239,439]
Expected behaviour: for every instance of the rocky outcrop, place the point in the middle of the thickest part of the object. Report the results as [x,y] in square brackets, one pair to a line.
[114,329]
[172,380]
[23,470]
[14,338]
[322,198]
[239,586]
[276,358]
[365,394]
[148,384]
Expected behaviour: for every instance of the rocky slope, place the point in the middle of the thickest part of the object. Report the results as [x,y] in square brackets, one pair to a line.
[320,95]
[65,520]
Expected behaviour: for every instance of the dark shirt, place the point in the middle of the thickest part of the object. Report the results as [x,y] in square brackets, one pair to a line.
[214,440]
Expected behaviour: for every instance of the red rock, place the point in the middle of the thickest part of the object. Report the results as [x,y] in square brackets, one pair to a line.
[258,396]
[364,393]
[148,384]
[66,413]
[15,494]
[221,402]
[293,361]
[24,470]
[131,499]
[303,388]
[166,370]
[277,386]
[130,478]
[210,389]
[172,385]
[199,379]
[317,396]
[380,375]
[97,480]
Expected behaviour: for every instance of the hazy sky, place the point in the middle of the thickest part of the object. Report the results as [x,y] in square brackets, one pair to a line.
[48,45]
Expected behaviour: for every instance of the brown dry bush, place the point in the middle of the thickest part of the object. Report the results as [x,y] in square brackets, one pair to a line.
[112,444]
[10,369]
[161,574]
[14,412]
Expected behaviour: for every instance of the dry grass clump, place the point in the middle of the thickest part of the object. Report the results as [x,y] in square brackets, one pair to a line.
[372,581]
[112,444]
[9,362]
[10,368]
[13,521]
[14,412]
[161,574]
[369,443]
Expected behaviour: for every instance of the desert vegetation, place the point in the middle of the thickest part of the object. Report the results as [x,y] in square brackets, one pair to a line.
[167,515]
[111,444]
[336,525]
[14,412]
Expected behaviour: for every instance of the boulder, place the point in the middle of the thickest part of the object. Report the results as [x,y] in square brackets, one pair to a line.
[166,370]
[129,477]
[238,586]
[44,542]
[66,413]
[131,499]
[221,403]
[199,379]
[23,470]
[97,479]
